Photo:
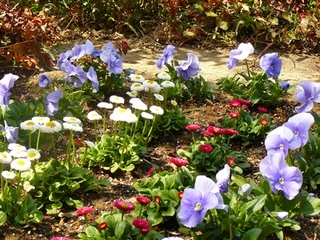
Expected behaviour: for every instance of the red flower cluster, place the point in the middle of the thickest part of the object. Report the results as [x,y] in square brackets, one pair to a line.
[124,206]
[143,200]
[193,127]
[234,115]
[103,225]
[239,102]
[84,211]
[142,224]
[262,109]
[179,162]
[213,130]
[264,121]
[206,148]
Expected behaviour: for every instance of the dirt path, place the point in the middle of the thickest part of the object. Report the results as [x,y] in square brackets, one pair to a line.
[296,67]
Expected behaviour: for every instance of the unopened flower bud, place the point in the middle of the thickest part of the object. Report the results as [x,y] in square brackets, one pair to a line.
[245,190]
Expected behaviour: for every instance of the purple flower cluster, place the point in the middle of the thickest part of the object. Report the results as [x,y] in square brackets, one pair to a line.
[76,75]
[189,68]
[291,135]
[307,92]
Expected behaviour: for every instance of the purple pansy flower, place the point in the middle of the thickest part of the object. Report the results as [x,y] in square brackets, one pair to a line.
[5,84]
[281,176]
[189,68]
[285,85]
[92,76]
[44,80]
[75,74]
[307,92]
[196,202]
[271,64]
[11,133]
[167,56]
[89,49]
[241,53]
[111,56]
[299,124]
[223,177]
[278,141]
[52,102]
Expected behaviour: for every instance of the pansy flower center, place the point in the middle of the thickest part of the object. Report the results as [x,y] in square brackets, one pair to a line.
[281,181]
[281,146]
[197,207]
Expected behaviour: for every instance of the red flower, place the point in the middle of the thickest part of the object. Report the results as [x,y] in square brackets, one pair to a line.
[151,170]
[140,223]
[235,103]
[157,199]
[143,200]
[215,130]
[229,131]
[244,102]
[179,161]
[207,133]
[234,115]
[124,206]
[103,225]
[230,161]
[193,127]
[84,211]
[264,121]
[60,238]
[262,109]
[79,142]
[206,148]
[180,194]
[144,230]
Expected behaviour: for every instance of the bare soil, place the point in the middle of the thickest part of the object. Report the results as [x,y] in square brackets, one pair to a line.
[142,58]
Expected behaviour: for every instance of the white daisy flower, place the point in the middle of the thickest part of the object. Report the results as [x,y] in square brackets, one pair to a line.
[72,126]
[174,103]
[156,89]
[16,146]
[27,186]
[40,120]
[146,115]
[150,83]
[93,115]
[156,110]
[167,84]
[132,94]
[72,120]
[163,76]
[136,78]
[29,125]
[18,153]
[51,127]
[131,118]
[120,114]
[21,164]
[116,99]
[137,103]
[5,158]
[33,154]
[159,97]
[137,87]
[105,105]
[8,175]
[89,143]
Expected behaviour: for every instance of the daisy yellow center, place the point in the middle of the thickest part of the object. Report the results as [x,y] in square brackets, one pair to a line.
[122,110]
[197,207]
[3,154]
[30,124]
[137,77]
[50,124]
[21,162]
[32,154]
[137,84]
[281,181]
[150,81]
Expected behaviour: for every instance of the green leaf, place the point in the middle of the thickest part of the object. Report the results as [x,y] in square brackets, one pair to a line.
[119,229]
[93,233]
[310,206]
[3,218]
[252,234]
[224,25]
